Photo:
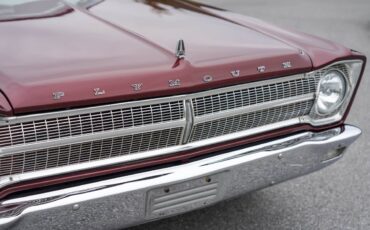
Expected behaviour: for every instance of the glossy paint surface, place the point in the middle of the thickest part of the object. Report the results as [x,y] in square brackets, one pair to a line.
[115,44]
[321,51]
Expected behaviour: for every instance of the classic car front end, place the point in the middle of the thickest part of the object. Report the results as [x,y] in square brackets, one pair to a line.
[116,113]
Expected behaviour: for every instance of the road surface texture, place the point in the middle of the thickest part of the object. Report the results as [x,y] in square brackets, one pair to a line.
[337,197]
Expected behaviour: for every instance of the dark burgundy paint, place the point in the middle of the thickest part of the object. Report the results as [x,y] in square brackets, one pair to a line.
[118,43]
[5,107]
[321,51]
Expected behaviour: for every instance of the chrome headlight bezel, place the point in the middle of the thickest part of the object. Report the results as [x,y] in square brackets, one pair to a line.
[351,70]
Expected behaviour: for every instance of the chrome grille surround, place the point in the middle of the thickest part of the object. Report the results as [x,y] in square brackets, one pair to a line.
[188,122]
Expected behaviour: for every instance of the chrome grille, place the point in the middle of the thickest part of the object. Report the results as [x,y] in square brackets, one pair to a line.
[247,121]
[31,161]
[254,95]
[78,139]
[88,123]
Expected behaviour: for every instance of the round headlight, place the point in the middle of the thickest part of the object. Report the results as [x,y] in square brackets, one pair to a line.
[331,93]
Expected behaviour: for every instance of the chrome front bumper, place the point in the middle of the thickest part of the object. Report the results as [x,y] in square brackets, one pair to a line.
[145,196]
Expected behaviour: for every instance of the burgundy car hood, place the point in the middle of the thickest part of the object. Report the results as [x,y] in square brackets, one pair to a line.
[115,44]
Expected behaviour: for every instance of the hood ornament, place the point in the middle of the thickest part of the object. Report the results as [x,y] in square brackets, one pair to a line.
[180,49]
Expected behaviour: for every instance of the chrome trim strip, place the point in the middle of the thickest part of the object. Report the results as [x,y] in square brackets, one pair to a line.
[253,108]
[189,116]
[242,170]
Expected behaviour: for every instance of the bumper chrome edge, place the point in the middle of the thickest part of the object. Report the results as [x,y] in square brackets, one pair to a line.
[128,200]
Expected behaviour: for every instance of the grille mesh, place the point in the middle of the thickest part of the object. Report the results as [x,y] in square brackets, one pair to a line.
[247,121]
[254,95]
[41,130]
[89,151]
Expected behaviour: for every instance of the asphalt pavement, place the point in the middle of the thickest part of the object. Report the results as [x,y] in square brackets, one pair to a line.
[337,197]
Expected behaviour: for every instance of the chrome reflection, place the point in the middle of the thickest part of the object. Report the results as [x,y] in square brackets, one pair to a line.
[262,162]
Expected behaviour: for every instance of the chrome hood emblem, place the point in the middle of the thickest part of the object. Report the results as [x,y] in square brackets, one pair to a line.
[261,68]
[287,65]
[180,49]
[207,78]
[235,73]
[58,95]
[99,91]
[137,86]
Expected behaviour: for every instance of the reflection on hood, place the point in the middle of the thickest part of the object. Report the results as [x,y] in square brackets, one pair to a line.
[11,10]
